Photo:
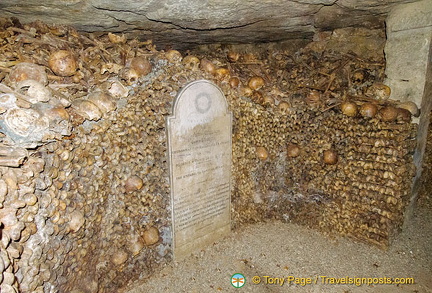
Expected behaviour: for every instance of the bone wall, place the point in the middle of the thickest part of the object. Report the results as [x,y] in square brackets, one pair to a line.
[84,187]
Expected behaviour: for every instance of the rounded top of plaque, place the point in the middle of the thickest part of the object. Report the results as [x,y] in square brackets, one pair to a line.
[200,100]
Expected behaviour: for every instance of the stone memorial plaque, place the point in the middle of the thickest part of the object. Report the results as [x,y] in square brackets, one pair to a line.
[199,148]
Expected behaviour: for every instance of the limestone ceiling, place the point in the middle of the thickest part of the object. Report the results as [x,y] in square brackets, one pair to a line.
[205,21]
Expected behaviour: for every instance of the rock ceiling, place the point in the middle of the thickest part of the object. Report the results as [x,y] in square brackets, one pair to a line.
[206,21]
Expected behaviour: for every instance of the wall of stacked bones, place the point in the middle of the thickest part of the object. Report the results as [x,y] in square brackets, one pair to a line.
[84,190]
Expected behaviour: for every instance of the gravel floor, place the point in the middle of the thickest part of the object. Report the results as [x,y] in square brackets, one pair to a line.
[281,250]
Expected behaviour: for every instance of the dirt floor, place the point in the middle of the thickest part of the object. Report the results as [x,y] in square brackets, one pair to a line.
[280,250]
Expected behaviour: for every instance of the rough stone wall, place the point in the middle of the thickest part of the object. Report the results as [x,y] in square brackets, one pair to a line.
[426,178]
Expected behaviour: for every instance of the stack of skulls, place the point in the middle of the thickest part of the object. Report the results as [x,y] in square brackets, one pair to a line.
[317,140]
[350,175]
[84,180]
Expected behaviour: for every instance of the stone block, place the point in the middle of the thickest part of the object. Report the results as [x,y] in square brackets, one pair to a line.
[409,72]
[410,16]
[407,54]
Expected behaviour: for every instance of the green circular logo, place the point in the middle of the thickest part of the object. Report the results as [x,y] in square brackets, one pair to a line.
[238,280]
